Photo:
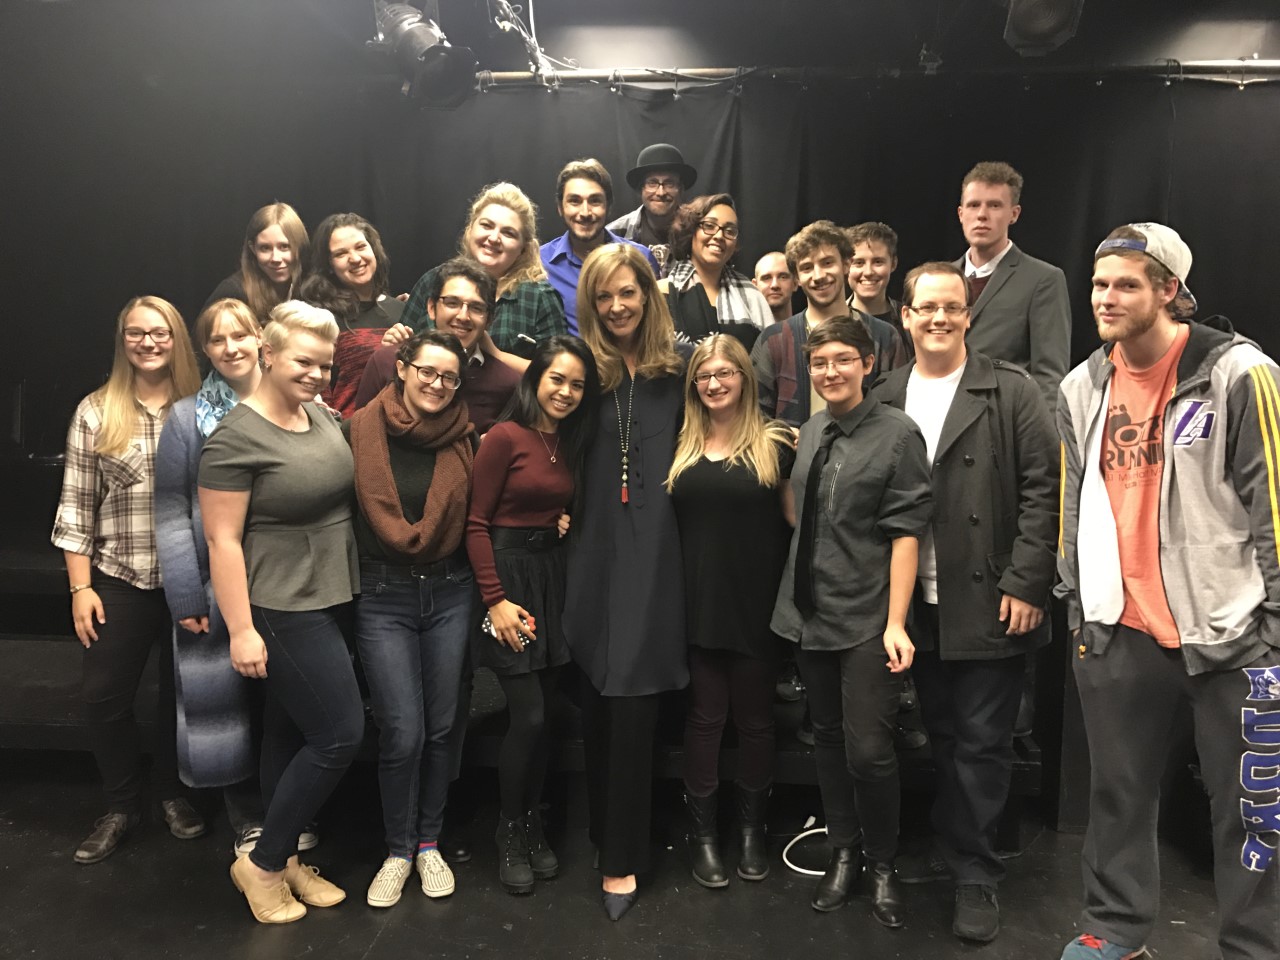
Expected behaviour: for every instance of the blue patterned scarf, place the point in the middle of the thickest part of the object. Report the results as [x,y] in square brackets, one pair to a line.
[213,402]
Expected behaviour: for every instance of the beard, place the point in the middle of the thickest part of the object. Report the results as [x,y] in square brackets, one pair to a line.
[1133,325]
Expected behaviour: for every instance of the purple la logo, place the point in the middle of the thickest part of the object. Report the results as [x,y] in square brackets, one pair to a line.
[1195,423]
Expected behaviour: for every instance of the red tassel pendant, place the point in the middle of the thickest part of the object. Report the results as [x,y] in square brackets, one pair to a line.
[624,493]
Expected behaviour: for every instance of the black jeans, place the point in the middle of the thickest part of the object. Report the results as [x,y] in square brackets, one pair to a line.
[313,724]
[969,708]
[853,701]
[137,620]
[718,680]
[617,739]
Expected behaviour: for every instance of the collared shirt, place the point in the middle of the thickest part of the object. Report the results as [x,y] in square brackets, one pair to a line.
[106,511]
[874,489]
[988,268]
[531,309]
[634,226]
[564,267]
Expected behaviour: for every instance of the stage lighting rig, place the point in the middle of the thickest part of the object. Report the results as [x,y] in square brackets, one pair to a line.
[435,72]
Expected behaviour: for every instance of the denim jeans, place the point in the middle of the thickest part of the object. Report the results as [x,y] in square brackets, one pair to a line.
[313,724]
[412,634]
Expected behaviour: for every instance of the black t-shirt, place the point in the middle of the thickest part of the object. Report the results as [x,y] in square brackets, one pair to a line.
[734,539]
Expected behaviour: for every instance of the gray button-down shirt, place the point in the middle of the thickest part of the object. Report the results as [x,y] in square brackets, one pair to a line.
[874,489]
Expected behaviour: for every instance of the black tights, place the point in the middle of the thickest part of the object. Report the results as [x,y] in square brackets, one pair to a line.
[522,761]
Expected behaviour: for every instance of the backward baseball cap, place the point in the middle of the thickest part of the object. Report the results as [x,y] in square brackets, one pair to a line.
[1163,245]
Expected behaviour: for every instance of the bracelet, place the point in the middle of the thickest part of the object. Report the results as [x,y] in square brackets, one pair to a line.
[81,586]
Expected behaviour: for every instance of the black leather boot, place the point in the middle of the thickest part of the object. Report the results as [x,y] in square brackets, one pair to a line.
[514,871]
[886,895]
[752,805]
[704,843]
[541,857]
[837,884]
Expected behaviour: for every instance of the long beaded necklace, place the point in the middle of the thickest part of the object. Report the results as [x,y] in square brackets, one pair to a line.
[624,433]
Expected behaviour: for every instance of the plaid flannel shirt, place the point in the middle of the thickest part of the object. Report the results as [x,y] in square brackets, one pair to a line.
[106,508]
[532,308]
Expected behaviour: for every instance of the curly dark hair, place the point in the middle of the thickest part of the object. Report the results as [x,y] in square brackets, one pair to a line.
[687,218]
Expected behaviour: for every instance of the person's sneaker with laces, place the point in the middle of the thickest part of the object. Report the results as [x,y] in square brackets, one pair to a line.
[388,882]
[1088,947]
[247,839]
[977,913]
[436,877]
[309,838]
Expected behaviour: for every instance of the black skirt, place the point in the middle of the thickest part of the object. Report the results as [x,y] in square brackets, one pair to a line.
[532,577]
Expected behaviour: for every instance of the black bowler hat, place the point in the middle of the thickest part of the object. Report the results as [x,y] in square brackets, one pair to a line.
[661,156]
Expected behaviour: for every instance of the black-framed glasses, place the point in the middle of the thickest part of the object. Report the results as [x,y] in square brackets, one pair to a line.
[710,227]
[954,311]
[666,183]
[720,376]
[137,335]
[819,367]
[474,308]
[429,375]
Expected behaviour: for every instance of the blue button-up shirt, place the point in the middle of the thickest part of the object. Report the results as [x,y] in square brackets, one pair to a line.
[563,268]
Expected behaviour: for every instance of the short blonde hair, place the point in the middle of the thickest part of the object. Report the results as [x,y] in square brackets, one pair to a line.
[293,316]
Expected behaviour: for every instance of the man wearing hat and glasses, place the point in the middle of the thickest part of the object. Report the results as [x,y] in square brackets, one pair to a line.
[1170,564]
[662,177]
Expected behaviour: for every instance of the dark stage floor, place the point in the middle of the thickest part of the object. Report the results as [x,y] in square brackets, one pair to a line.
[162,898]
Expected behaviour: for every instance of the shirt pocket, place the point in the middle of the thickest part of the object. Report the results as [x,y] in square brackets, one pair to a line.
[125,470]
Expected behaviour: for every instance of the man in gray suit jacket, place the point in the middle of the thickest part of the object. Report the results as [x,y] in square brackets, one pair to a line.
[1020,311]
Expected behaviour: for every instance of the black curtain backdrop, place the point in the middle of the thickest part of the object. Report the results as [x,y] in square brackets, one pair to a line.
[140,136]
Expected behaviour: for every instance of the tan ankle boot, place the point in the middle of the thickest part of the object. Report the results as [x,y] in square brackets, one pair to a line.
[311,888]
[273,904]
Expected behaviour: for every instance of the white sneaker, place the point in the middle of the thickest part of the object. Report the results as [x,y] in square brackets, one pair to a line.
[437,878]
[388,882]
[247,839]
[309,838]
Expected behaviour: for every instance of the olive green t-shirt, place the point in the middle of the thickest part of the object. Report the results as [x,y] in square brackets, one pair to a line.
[299,548]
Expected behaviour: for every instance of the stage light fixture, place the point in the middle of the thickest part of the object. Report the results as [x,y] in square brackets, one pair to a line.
[435,72]
[1037,27]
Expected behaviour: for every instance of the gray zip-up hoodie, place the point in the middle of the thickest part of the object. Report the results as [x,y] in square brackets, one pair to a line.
[1219,502]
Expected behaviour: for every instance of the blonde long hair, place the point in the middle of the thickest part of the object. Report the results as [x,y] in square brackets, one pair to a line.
[657,355]
[753,440]
[528,265]
[117,397]
[260,293]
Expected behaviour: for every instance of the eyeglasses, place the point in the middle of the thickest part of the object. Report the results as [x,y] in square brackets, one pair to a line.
[720,376]
[953,310]
[710,227]
[474,308]
[159,335]
[819,367]
[666,183]
[429,375]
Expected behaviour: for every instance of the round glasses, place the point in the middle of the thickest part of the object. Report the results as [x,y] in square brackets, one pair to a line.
[429,375]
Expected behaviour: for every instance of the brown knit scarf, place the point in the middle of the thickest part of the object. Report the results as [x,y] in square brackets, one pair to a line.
[444,515]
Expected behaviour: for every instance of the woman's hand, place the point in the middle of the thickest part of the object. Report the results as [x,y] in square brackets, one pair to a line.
[86,610]
[900,649]
[194,624]
[249,654]
[396,334]
[562,524]
[505,617]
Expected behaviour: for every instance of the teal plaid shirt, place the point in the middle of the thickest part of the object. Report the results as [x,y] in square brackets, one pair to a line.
[532,308]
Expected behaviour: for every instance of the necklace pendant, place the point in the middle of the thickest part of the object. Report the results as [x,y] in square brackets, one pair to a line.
[553,459]
[624,491]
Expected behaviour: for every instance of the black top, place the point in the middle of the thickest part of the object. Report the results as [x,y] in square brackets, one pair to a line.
[624,602]
[696,319]
[734,541]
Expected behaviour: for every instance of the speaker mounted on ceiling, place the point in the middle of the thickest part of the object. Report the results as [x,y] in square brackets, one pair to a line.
[1037,27]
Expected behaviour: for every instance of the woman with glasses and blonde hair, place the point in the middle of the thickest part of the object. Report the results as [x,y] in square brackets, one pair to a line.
[501,235]
[215,743]
[624,603]
[275,498]
[106,529]
[271,261]
[414,446]
[729,484]
[704,293]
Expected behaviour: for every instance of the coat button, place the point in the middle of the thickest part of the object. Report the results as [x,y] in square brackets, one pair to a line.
[937,463]
[968,460]
[977,576]
[973,519]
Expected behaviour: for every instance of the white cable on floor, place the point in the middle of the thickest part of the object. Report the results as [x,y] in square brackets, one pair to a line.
[796,839]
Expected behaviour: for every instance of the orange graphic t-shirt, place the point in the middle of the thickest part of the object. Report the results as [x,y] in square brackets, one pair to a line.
[1132,468]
